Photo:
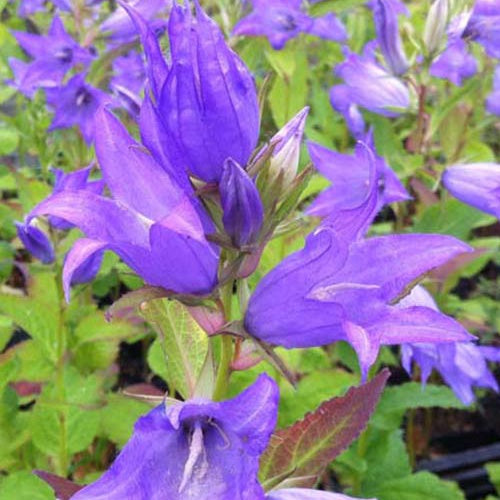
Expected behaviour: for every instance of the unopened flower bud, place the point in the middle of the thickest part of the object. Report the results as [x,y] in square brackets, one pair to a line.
[435,25]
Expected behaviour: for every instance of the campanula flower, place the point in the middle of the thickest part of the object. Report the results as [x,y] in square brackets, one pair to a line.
[29,7]
[455,63]
[477,184]
[202,450]
[493,100]
[53,56]
[197,449]
[243,213]
[463,365]
[36,242]
[206,106]
[484,26]
[129,78]
[369,85]
[435,25]
[281,20]
[349,175]
[154,225]
[341,102]
[76,103]
[385,14]
[332,290]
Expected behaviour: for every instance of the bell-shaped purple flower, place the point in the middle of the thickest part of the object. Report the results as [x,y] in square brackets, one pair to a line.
[153,224]
[197,449]
[385,13]
[455,63]
[350,178]
[369,85]
[36,242]
[341,102]
[29,7]
[484,26]
[282,20]
[205,104]
[493,100]
[53,56]
[463,365]
[332,290]
[243,213]
[477,184]
[76,103]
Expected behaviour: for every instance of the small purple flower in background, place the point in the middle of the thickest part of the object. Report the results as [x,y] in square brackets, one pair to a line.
[29,7]
[243,213]
[493,100]
[385,13]
[282,20]
[341,102]
[36,242]
[206,107]
[69,5]
[120,28]
[349,175]
[477,184]
[369,85]
[455,63]
[76,104]
[129,78]
[484,26]
[151,222]
[53,56]
[313,297]
[463,365]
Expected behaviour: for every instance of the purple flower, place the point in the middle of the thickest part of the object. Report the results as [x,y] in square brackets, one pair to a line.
[76,104]
[341,102]
[455,63]
[73,181]
[36,242]
[128,81]
[281,20]
[484,26]
[53,56]
[153,224]
[463,365]
[29,7]
[477,184]
[197,449]
[385,13]
[243,213]
[331,291]
[206,103]
[201,450]
[120,28]
[69,5]
[369,85]
[493,100]
[350,175]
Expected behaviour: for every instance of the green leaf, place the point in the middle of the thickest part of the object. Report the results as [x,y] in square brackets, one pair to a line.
[9,139]
[303,450]
[398,399]
[119,416]
[184,343]
[25,486]
[420,486]
[493,469]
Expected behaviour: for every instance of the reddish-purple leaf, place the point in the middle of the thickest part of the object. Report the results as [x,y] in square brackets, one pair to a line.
[301,452]
[63,488]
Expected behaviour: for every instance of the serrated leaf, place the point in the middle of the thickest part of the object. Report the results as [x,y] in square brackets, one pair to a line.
[308,446]
[397,400]
[184,343]
[420,486]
